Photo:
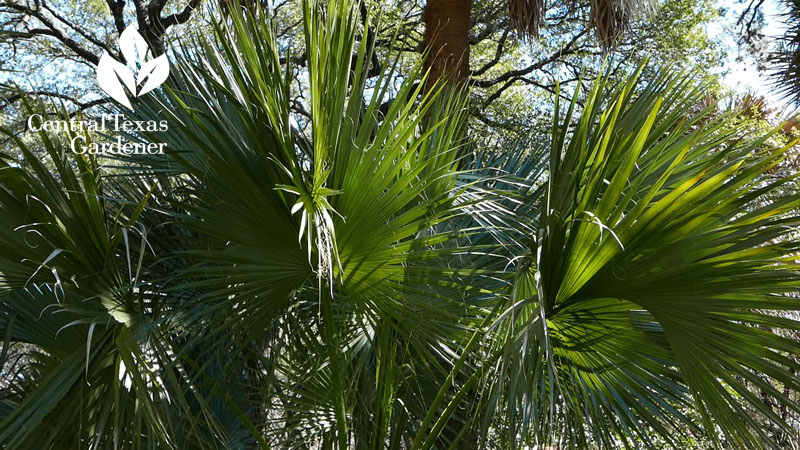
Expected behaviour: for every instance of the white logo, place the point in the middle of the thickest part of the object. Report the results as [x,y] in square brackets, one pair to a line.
[112,75]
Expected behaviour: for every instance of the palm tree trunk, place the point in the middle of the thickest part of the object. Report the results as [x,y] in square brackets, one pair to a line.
[447,40]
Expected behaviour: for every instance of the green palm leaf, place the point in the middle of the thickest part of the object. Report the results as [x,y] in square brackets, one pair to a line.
[653,288]
[360,277]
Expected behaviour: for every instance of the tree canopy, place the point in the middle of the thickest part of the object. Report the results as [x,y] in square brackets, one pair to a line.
[332,252]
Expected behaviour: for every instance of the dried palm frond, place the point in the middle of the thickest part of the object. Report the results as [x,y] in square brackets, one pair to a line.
[526,17]
[610,18]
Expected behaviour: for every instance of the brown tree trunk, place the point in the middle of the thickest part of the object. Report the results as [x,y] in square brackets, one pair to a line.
[447,40]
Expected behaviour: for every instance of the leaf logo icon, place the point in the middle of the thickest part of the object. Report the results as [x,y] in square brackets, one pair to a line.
[141,69]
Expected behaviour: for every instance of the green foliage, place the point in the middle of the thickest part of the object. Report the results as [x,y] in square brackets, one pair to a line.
[364,282]
[673,34]
[652,283]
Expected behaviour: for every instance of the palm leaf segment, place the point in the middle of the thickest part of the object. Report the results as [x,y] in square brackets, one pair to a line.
[632,298]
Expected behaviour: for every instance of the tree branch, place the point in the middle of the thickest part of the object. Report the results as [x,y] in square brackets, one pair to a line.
[181,17]
[752,9]
[564,51]
[497,55]
[43,93]
[53,30]
[78,29]
[117,8]
[488,31]
[496,94]
[478,114]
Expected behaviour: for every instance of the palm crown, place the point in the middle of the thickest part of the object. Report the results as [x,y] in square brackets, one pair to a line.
[368,283]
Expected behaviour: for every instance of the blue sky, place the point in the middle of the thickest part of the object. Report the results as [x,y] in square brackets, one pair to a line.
[742,75]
